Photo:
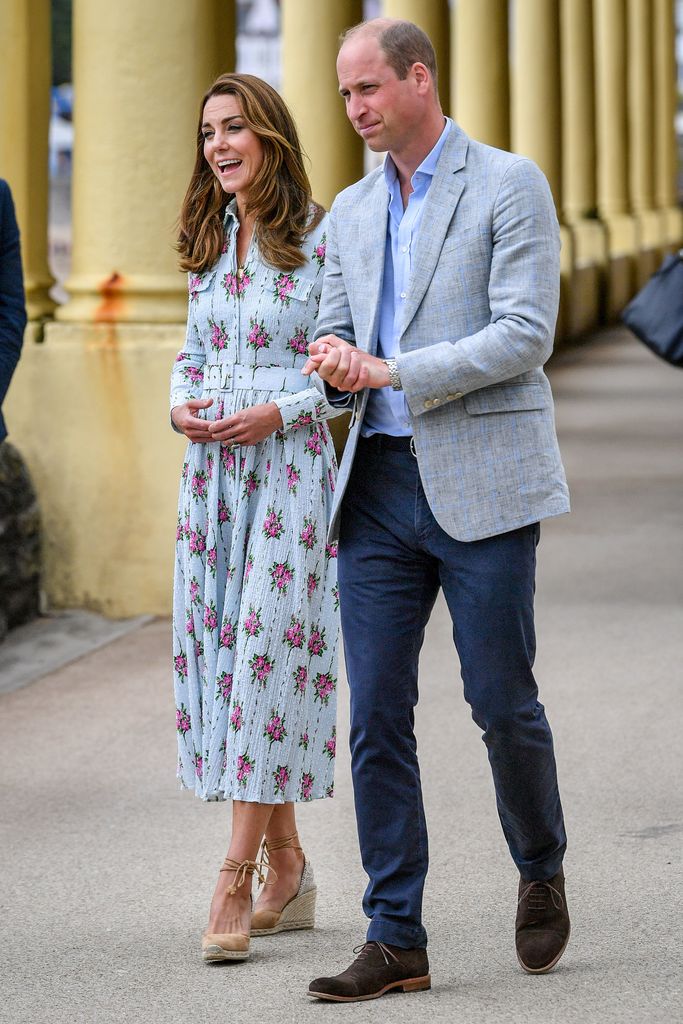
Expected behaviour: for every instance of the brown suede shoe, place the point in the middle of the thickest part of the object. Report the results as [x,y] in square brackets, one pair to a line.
[542,925]
[377,969]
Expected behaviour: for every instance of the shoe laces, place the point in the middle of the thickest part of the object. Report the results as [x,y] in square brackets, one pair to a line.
[536,894]
[366,948]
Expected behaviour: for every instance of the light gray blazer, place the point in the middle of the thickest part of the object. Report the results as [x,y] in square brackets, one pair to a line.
[478,325]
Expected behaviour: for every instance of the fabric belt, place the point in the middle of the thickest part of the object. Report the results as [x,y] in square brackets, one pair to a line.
[242,377]
[388,442]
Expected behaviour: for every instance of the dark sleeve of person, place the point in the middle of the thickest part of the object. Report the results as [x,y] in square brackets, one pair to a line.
[12,305]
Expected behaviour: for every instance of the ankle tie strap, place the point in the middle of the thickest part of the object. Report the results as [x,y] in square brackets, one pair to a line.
[242,869]
[280,844]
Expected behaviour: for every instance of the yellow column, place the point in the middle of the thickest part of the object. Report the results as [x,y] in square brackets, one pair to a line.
[25,66]
[641,137]
[433,17]
[665,109]
[536,109]
[612,150]
[309,34]
[134,125]
[480,75]
[578,166]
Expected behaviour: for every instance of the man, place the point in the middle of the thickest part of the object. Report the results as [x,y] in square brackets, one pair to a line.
[12,310]
[437,314]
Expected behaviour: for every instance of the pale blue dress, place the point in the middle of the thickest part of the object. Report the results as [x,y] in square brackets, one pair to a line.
[255,621]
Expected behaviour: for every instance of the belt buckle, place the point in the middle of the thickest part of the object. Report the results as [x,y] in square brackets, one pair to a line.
[226,378]
[412,446]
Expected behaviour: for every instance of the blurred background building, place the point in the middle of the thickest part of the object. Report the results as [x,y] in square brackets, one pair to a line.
[100,103]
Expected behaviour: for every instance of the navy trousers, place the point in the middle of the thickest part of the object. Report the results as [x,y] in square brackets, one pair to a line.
[393,557]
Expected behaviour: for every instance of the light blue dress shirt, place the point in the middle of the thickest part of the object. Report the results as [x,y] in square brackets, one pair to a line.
[387,410]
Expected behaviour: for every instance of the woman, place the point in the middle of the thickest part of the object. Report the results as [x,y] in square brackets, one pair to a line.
[255,598]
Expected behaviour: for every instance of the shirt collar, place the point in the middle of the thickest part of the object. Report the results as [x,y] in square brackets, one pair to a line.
[428,165]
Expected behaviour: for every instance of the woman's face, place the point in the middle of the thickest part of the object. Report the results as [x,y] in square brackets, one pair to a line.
[232,150]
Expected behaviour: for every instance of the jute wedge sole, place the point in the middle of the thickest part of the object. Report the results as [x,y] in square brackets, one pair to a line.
[407,985]
[299,913]
[225,947]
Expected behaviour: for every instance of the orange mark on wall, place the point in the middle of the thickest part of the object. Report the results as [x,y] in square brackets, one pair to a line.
[113,304]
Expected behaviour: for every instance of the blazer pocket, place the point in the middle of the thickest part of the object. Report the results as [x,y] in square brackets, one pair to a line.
[506,398]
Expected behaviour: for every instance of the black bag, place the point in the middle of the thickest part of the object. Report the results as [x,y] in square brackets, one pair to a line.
[655,315]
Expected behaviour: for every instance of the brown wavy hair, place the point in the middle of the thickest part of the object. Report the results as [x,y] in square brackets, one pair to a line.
[279,197]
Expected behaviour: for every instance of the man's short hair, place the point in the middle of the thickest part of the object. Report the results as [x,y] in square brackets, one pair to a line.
[402,42]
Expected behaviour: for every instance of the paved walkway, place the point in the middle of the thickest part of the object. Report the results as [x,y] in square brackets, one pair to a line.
[107,867]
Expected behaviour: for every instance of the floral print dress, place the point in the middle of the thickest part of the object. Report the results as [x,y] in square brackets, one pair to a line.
[255,620]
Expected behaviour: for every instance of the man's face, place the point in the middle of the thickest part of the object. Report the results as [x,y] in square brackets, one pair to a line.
[385,110]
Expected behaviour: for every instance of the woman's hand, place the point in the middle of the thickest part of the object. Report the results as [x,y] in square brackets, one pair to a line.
[194,428]
[249,426]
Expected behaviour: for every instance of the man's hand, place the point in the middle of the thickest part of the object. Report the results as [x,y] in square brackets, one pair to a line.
[248,426]
[194,428]
[345,367]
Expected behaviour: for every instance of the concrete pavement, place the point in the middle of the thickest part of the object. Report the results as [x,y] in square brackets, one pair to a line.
[107,868]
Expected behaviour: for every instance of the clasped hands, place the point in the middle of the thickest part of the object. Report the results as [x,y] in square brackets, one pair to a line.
[345,367]
[248,426]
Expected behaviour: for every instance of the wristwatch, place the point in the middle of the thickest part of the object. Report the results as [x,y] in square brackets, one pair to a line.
[394,375]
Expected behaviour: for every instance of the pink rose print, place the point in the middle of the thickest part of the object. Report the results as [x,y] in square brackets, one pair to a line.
[316,641]
[209,464]
[228,460]
[181,357]
[182,719]
[192,375]
[210,617]
[312,584]
[267,476]
[303,739]
[258,337]
[261,667]
[245,767]
[284,285]
[330,550]
[224,685]
[198,649]
[252,625]
[224,514]
[308,536]
[335,595]
[319,251]
[211,560]
[236,720]
[304,419]
[189,625]
[219,336]
[194,590]
[251,483]
[223,751]
[227,635]
[281,575]
[235,285]
[293,477]
[186,470]
[330,480]
[198,762]
[330,790]
[294,635]
[272,524]
[312,446]
[194,284]
[180,662]
[248,567]
[197,542]
[275,731]
[330,746]
[300,680]
[281,776]
[298,343]
[324,685]
[307,781]
[186,527]
[199,484]
[179,529]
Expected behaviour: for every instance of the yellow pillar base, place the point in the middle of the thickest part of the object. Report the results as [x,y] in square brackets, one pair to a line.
[88,410]
[649,245]
[584,308]
[672,217]
[622,243]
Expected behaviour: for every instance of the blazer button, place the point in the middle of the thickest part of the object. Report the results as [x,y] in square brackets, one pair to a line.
[451,398]
[428,403]
[435,401]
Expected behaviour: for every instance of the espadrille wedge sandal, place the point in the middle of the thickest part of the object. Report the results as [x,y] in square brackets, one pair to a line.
[299,912]
[232,945]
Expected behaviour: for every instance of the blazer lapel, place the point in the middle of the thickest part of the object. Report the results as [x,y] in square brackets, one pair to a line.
[367,292]
[439,209]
